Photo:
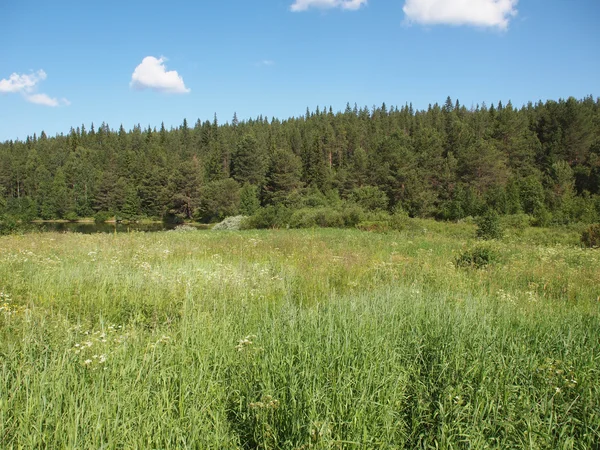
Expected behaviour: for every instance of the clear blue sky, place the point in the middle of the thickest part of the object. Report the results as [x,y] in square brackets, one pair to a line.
[64,63]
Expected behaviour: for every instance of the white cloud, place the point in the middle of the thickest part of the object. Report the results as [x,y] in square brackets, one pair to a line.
[153,74]
[303,5]
[46,100]
[21,83]
[481,13]
[26,85]
[265,62]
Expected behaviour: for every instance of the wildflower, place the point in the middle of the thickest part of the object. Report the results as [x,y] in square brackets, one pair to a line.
[87,362]
[267,402]
[243,343]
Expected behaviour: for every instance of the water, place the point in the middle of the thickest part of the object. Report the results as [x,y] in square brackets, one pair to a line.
[91,228]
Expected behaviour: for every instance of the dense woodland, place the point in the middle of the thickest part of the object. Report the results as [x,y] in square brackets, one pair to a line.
[447,162]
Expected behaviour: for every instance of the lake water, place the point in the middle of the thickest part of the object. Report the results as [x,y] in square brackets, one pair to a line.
[91,228]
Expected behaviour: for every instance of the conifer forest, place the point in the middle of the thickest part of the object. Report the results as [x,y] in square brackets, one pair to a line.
[447,162]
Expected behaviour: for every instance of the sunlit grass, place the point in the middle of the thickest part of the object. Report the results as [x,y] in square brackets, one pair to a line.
[298,339]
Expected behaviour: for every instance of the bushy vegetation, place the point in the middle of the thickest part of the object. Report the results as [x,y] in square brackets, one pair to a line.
[233,223]
[477,257]
[8,225]
[489,226]
[591,236]
[299,339]
[102,216]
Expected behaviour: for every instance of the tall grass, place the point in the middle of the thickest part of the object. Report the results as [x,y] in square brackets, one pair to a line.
[298,339]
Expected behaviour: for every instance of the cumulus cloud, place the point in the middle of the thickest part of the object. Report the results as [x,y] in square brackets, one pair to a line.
[481,13]
[303,5]
[43,99]
[21,83]
[152,74]
[26,85]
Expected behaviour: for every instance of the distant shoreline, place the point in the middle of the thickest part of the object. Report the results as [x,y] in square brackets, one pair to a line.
[93,221]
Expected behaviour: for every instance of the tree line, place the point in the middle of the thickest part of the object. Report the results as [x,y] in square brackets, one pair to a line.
[447,162]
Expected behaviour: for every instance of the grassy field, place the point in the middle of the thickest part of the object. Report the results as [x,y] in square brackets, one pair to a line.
[299,339]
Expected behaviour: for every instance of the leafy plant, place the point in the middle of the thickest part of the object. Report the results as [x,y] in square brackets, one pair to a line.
[8,225]
[232,223]
[102,216]
[591,236]
[477,257]
[399,219]
[71,216]
[489,226]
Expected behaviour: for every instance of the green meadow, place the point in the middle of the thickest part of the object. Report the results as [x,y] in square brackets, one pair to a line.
[300,339]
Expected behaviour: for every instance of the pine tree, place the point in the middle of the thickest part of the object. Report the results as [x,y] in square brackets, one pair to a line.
[283,176]
[249,162]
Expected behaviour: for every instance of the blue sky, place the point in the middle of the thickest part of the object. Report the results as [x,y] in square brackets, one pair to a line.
[64,63]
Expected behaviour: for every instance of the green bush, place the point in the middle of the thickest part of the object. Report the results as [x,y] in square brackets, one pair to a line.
[71,216]
[102,216]
[8,225]
[268,217]
[477,257]
[376,216]
[323,217]
[399,220]
[591,236]
[517,222]
[316,217]
[370,198]
[489,226]
[352,215]
[542,217]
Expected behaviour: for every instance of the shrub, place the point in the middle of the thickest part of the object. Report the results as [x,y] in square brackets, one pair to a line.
[542,217]
[591,236]
[488,226]
[267,217]
[173,218]
[517,221]
[102,216]
[477,257]
[352,215]
[71,216]
[8,225]
[399,220]
[183,229]
[370,198]
[232,223]
[316,217]
[376,216]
